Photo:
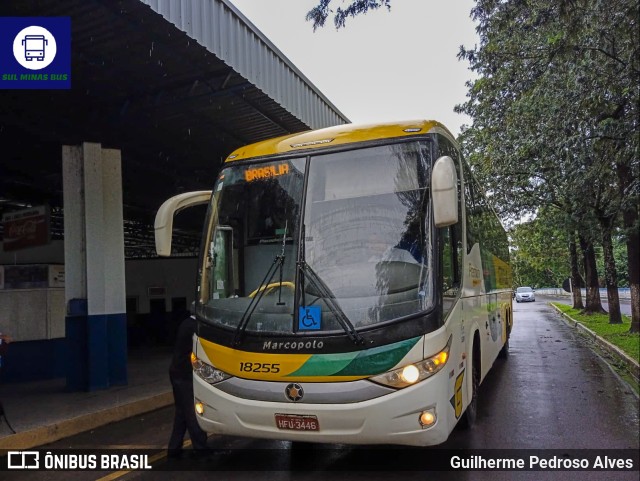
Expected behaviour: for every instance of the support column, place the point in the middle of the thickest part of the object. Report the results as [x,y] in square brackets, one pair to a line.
[94,267]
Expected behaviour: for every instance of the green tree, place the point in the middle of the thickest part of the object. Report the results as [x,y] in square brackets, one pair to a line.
[555,118]
[539,250]
[319,14]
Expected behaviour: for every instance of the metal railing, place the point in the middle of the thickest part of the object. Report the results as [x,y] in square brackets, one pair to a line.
[623,292]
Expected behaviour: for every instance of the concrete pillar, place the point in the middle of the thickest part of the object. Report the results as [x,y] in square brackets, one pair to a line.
[94,267]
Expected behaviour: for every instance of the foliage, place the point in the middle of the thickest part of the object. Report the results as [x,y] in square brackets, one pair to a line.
[555,113]
[555,105]
[555,109]
[540,251]
[620,257]
[319,14]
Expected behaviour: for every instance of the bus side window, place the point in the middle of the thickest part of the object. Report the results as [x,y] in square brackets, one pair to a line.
[451,264]
[220,262]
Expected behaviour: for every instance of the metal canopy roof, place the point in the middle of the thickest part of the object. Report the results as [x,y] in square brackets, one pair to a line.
[174,104]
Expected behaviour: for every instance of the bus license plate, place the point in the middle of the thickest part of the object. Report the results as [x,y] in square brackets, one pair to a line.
[294,422]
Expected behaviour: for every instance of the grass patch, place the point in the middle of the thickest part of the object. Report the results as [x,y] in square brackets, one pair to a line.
[616,334]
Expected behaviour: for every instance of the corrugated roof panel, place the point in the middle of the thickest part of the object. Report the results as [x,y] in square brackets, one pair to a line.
[223,30]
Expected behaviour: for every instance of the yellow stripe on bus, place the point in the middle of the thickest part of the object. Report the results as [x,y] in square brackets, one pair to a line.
[243,364]
[262,366]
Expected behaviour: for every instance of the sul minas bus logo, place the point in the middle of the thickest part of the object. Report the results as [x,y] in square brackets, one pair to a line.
[35,52]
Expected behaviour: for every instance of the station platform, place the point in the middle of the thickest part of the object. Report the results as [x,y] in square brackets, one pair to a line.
[42,412]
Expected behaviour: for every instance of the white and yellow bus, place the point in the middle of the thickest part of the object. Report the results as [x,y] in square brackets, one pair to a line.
[354,287]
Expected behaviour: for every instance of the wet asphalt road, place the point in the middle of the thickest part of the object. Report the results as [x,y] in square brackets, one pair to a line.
[552,392]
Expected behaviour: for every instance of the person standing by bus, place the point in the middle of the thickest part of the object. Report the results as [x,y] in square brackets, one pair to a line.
[181,375]
[4,347]
[4,344]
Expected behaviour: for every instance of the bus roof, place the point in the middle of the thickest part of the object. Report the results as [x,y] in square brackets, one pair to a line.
[337,135]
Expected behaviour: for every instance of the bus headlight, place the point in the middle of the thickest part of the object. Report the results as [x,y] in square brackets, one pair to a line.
[413,373]
[206,371]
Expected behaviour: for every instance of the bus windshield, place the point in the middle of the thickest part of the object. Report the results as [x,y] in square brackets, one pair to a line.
[357,255]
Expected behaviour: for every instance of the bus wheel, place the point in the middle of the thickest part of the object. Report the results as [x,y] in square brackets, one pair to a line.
[469,416]
[504,352]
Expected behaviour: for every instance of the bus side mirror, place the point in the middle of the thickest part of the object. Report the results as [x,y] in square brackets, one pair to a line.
[444,190]
[163,225]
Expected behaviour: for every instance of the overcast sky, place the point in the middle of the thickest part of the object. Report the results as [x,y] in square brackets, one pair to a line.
[396,65]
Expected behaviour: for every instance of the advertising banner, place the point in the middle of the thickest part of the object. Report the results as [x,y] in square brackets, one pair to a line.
[26,228]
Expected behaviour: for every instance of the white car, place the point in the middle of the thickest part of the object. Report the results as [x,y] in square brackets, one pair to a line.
[525,294]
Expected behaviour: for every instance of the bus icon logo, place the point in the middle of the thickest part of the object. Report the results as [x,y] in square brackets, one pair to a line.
[23,460]
[34,47]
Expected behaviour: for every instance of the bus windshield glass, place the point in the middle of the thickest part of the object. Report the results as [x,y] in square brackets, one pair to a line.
[358,254]
[367,230]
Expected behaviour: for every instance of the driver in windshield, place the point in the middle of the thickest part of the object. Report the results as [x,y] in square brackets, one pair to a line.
[384,248]
[381,251]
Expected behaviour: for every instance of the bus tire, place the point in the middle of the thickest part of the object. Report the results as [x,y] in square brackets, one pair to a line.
[470,414]
[504,352]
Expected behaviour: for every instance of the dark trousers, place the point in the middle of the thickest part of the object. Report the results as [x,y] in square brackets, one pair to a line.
[185,417]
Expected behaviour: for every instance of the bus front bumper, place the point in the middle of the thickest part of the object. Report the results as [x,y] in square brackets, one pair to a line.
[389,419]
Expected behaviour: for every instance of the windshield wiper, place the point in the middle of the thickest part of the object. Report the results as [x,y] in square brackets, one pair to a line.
[278,261]
[306,272]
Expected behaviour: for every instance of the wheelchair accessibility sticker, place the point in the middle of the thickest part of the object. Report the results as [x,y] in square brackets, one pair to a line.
[309,318]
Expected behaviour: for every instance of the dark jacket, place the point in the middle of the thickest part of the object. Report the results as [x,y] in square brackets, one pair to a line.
[180,368]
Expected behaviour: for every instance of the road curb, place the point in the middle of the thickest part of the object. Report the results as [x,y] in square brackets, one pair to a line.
[622,358]
[86,422]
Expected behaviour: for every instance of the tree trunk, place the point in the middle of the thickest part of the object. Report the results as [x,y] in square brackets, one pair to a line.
[610,274]
[594,306]
[630,219]
[576,281]
[633,259]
